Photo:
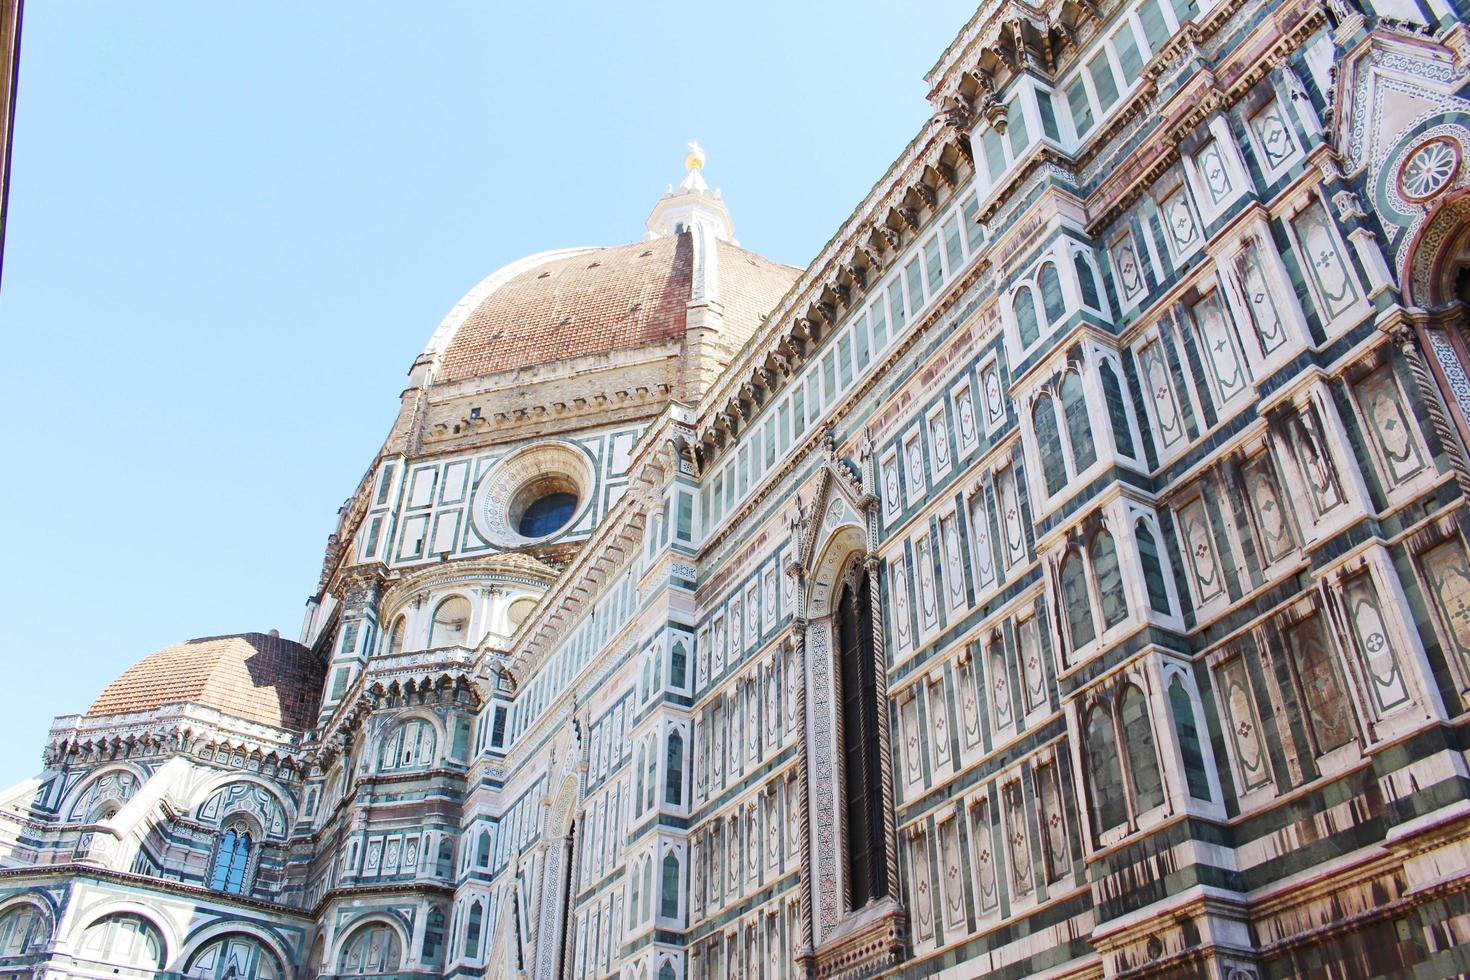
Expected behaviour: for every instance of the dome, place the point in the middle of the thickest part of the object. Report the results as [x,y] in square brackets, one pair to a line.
[598,301]
[252,676]
[590,302]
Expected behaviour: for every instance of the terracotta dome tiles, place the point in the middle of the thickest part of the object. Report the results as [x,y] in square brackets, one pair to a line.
[253,676]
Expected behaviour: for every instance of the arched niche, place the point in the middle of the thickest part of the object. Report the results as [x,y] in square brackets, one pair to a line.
[1438,267]
[825,579]
[1436,285]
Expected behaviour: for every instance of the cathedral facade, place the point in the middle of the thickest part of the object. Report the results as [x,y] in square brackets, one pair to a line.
[1064,575]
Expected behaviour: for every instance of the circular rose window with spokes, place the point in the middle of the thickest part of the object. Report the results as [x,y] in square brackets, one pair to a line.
[1429,169]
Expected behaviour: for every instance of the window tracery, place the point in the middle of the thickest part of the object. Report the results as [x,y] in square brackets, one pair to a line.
[233,862]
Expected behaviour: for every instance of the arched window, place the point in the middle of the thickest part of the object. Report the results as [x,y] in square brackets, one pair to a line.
[1078,603]
[444,862]
[638,780]
[1195,777]
[678,666]
[1138,742]
[650,781]
[1024,305]
[1117,412]
[1153,569]
[674,770]
[451,626]
[666,972]
[409,746]
[124,940]
[231,862]
[236,956]
[647,887]
[668,903]
[396,635]
[1049,445]
[1109,579]
[862,780]
[482,850]
[433,936]
[633,885]
[1109,807]
[472,930]
[1051,294]
[23,928]
[1085,281]
[1079,428]
[373,949]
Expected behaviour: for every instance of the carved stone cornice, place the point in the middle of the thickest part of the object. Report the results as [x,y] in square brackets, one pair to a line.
[423,676]
[201,733]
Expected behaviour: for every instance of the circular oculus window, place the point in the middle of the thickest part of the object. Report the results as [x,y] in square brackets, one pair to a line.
[533,495]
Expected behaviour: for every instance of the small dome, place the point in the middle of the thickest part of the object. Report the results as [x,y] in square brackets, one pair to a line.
[252,676]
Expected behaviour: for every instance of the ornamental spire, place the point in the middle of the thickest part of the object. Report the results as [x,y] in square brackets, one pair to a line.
[692,204]
[694,163]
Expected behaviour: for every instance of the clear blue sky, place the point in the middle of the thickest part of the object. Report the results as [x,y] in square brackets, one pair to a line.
[233,226]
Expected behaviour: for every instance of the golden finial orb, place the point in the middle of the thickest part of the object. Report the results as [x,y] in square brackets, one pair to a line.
[695,159]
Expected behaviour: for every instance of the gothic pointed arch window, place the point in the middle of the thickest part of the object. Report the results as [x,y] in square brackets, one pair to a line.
[1109,577]
[1138,743]
[1117,410]
[1076,601]
[473,925]
[668,903]
[867,871]
[1153,567]
[1124,776]
[397,635]
[633,887]
[638,779]
[451,625]
[1085,280]
[674,769]
[433,937]
[650,780]
[1109,809]
[1052,301]
[231,864]
[1079,427]
[1181,709]
[1024,307]
[647,886]
[1049,444]
[679,666]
